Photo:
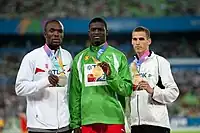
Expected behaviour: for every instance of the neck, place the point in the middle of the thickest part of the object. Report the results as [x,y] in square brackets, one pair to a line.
[96,44]
[141,53]
[52,47]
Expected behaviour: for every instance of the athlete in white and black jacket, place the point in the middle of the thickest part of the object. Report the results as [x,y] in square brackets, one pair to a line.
[154,89]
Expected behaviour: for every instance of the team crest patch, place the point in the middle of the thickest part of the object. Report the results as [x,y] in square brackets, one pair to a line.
[87,57]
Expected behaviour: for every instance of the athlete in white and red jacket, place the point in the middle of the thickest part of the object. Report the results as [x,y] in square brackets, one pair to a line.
[44,78]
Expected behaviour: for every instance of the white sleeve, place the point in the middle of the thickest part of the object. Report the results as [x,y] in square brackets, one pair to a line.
[171,91]
[25,85]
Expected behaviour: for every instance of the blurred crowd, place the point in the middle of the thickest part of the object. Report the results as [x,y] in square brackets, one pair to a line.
[91,8]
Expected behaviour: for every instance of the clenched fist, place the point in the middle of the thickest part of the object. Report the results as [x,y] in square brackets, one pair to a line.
[145,85]
[53,79]
[105,67]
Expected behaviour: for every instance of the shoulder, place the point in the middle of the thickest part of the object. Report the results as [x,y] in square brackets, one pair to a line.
[35,53]
[162,60]
[66,53]
[76,58]
[116,51]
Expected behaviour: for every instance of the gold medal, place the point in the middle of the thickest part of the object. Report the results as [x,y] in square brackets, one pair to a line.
[97,70]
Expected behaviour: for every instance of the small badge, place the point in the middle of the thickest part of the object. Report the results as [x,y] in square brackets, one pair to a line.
[87,57]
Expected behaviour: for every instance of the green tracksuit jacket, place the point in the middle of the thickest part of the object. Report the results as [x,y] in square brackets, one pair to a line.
[99,100]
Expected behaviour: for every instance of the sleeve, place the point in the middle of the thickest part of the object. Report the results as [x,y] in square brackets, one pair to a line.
[171,91]
[120,81]
[75,98]
[25,85]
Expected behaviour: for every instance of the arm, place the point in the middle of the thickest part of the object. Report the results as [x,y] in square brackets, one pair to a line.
[75,98]
[171,91]
[120,81]
[24,83]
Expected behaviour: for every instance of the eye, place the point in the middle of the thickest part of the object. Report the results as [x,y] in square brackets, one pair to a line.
[141,38]
[135,39]
[60,31]
[51,30]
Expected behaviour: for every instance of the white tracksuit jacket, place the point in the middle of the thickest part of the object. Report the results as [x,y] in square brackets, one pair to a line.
[47,107]
[152,109]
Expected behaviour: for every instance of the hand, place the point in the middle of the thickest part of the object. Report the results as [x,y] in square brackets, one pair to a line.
[53,79]
[77,130]
[106,68]
[145,85]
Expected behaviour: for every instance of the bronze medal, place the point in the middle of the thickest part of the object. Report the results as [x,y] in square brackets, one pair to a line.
[136,76]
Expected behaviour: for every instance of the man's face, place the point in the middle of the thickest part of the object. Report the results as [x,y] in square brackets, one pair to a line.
[54,35]
[140,41]
[97,33]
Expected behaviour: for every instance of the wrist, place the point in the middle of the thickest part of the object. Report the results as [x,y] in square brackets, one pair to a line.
[135,87]
[152,91]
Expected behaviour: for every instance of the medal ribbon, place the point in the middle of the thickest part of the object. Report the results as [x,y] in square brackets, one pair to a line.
[141,59]
[101,50]
[55,58]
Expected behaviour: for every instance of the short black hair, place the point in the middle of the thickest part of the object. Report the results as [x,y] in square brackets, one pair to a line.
[144,29]
[98,19]
[50,21]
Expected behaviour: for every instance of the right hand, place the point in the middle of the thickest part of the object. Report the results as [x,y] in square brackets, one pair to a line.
[53,79]
[77,130]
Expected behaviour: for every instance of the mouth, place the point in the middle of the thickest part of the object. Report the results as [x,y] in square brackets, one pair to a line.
[138,47]
[96,37]
[56,40]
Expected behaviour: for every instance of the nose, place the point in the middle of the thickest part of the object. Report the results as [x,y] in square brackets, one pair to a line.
[56,33]
[96,31]
[137,42]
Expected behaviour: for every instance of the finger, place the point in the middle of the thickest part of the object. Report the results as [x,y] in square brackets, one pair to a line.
[106,64]
[53,79]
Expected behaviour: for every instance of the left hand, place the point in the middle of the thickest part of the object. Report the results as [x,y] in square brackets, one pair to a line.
[106,68]
[145,85]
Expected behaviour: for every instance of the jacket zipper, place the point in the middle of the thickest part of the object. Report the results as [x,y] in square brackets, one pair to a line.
[138,113]
[57,114]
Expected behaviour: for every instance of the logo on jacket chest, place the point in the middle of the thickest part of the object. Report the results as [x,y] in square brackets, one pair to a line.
[145,75]
[53,70]
[94,76]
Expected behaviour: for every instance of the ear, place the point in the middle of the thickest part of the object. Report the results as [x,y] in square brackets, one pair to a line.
[45,34]
[106,32]
[149,41]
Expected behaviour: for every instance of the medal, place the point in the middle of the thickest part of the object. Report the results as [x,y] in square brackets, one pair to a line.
[62,79]
[136,76]
[97,70]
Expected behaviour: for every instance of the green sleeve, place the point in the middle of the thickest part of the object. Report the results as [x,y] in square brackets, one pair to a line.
[120,81]
[75,98]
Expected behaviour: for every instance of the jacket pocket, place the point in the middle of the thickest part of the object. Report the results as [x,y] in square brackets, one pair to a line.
[46,110]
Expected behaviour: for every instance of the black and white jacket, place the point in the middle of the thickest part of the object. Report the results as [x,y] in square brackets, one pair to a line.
[147,109]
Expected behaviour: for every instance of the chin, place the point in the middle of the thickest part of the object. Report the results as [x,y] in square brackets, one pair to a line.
[97,43]
[55,45]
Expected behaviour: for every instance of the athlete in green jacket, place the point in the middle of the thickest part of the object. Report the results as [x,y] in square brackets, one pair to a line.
[100,81]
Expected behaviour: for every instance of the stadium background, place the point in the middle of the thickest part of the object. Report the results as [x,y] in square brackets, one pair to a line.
[175,32]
